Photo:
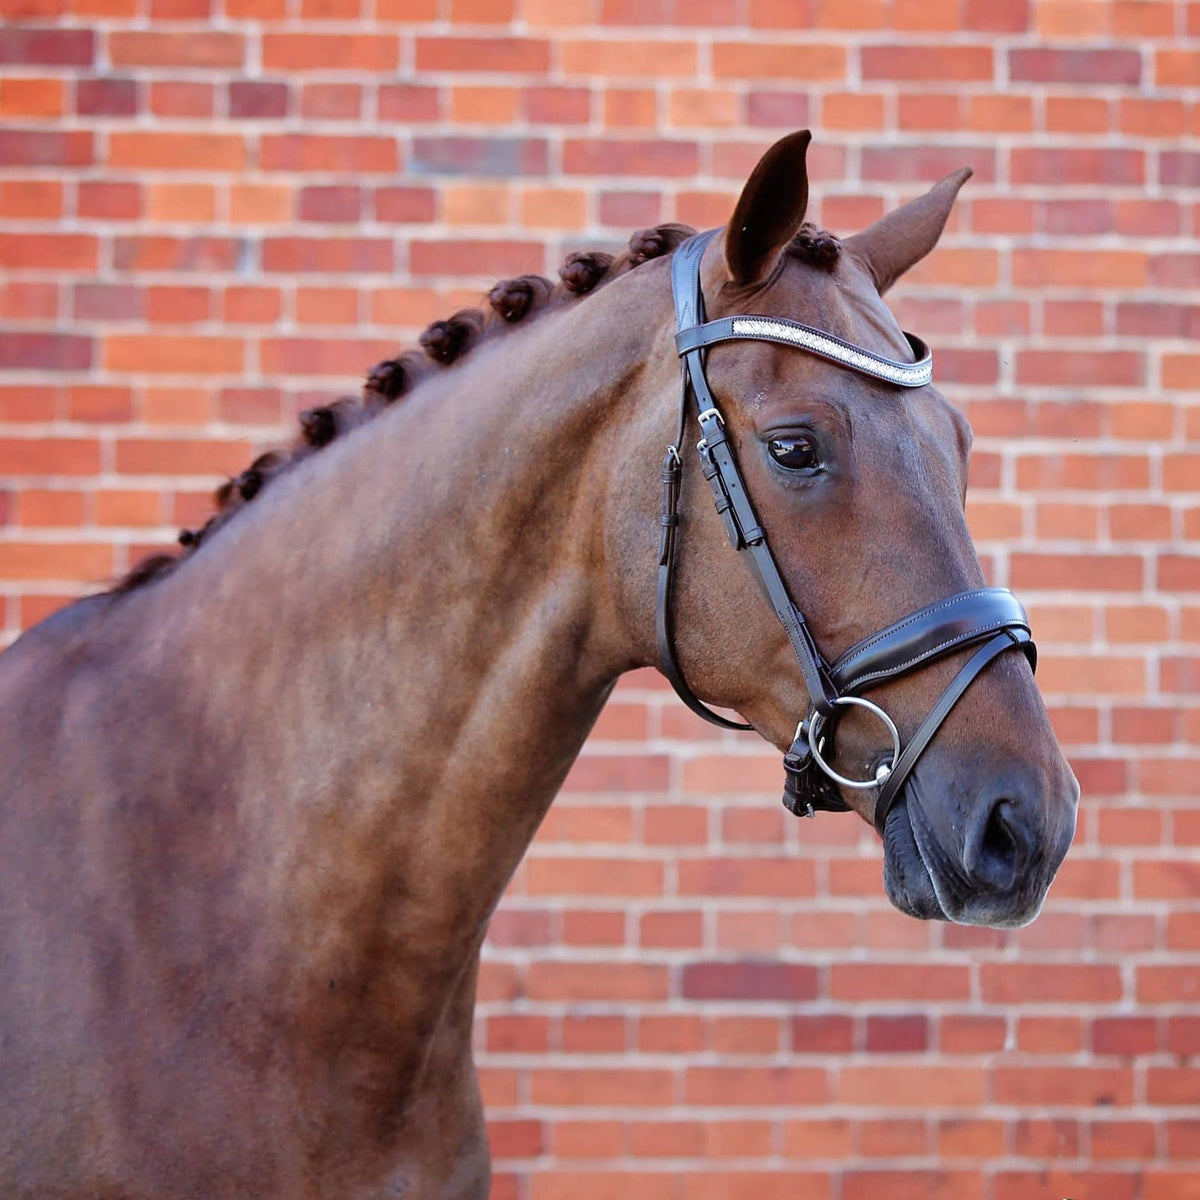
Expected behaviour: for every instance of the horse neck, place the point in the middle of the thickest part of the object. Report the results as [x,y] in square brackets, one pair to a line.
[398,650]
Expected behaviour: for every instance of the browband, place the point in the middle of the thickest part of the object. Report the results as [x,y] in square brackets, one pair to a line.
[815,341]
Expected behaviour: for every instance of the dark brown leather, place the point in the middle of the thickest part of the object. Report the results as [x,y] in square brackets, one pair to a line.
[929,633]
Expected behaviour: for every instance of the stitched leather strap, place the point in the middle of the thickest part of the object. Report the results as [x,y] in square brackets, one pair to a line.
[929,633]
[725,481]
[815,341]
[669,524]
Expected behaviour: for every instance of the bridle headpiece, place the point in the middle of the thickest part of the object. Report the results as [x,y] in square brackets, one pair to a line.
[989,619]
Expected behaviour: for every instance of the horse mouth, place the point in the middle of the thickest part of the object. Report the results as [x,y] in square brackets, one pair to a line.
[927,880]
[907,878]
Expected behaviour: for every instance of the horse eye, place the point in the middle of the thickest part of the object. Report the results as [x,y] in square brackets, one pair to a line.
[795,453]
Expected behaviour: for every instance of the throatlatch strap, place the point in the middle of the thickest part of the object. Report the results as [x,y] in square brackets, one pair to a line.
[664,631]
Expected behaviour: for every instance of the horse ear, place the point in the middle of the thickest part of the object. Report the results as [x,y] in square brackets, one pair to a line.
[901,239]
[769,211]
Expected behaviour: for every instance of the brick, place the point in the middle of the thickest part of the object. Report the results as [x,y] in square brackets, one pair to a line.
[83,561]
[909,1085]
[29,301]
[1071,268]
[880,981]
[593,1034]
[772,60]
[328,255]
[109,201]
[255,99]
[44,351]
[1177,68]
[40,199]
[48,251]
[1172,1085]
[479,156]
[1065,165]
[638,59]
[319,152]
[327,306]
[920,63]
[594,876]
[499,55]
[32,97]
[1056,368]
[756,1185]
[557,105]
[405,205]
[331,101]
[202,254]
[748,981]
[190,203]
[516,1139]
[969,1034]
[330,51]
[128,509]
[600,1087]
[147,48]
[109,302]
[182,99]
[171,355]
[34,46]
[897,1034]
[45,148]
[1152,117]
[49,508]
[756,1086]
[408,102]
[1074,66]
[746,877]
[321,356]
[1062,1085]
[926,162]
[1149,218]
[177,151]
[1018,983]
[1077,114]
[609,156]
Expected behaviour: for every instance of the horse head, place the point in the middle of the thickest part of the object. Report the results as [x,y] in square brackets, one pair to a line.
[840,472]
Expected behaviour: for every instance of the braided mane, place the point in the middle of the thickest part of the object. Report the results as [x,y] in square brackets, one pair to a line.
[444,342]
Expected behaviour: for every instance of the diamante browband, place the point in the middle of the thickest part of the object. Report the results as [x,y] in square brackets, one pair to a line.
[815,341]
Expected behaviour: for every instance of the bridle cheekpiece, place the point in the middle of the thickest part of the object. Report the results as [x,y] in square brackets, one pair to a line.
[990,619]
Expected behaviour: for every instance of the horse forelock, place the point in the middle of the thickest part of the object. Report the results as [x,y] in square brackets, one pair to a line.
[443,343]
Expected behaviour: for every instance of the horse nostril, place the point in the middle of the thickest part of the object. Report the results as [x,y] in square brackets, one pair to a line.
[994,848]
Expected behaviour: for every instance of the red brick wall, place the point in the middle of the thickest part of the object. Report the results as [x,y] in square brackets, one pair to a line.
[209,214]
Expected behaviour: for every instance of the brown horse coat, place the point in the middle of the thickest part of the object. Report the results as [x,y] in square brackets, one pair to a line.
[256,812]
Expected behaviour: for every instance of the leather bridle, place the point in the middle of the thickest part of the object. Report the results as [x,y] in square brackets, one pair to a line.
[989,619]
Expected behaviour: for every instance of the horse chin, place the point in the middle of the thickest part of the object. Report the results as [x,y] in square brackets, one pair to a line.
[906,877]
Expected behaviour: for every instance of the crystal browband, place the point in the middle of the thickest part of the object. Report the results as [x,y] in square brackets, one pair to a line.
[815,341]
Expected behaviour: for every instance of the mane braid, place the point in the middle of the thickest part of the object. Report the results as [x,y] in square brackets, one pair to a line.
[443,343]
[818,247]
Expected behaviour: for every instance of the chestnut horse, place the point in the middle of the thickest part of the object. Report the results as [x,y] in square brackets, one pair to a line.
[259,802]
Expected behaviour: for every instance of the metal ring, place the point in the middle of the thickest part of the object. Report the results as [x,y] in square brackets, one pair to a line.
[815,741]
